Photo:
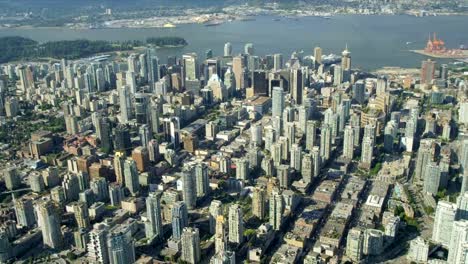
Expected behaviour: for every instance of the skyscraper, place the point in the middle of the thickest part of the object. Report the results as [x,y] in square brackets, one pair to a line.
[427,72]
[276,210]
[153,227]
[120,245]
[348,143]
[318,55]
[432,178]
[179,219]
[296,85]
[216,209]
[191,245]
[425,155]
[227,49]
[190,66]
[354,244]
[220,235]
[49,222]
[24,212]
[201,179]
[367,153]
[443,222]
[346,59]
[311,134]
[458,247]
[325,142]
[189,192]
[277,102]
[131,176]
[258,202]
[236,224]
[249,49]
[242,169]
[97,245]
[238,69]
[80,210]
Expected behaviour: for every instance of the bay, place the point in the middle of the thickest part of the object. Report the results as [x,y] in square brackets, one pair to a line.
[375,41]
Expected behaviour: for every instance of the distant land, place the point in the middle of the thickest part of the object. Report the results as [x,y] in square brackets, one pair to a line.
[13,48]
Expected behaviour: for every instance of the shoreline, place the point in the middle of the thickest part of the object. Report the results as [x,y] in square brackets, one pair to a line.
[240,19]
[442,56]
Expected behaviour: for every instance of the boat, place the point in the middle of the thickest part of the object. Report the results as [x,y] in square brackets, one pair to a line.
[409,42]
[169,25]
[213,23]
[276,19]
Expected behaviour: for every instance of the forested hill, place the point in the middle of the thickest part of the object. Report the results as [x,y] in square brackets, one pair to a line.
[18,48]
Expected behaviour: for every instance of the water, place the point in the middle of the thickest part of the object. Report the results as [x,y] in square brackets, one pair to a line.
[374,41]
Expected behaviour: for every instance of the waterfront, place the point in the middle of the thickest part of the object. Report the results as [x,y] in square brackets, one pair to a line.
[375,41]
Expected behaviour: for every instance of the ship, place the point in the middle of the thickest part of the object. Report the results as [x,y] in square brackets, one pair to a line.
[169,25]
[212,23]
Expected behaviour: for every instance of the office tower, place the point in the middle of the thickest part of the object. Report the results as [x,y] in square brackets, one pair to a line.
[130,81]
[153,150]
[171,131]
[191,245]
[290,136]
[80,210]
[142,108]
[276,210]
[348,143]
[318,55]
[249,49]
[367,152]
[227,49]
[141,157]
[100,189]
[425,155]
[225,164]
[238,69]
[359,92]
[189,192]
[220,235]
[346,59]
[419,250]
[258,202]
[122,138]
[427,71]
[153,71]
[256,134]
[390,133]
[120,245]
[119,159]
[179,219]
[103,133]
[311,134]
[236,224]
[277,62]
[307,168]
[443,72]
[242,169]
[443,221]
[463,160]
[57,194]
[36,182]
[337,75]
[202,180]
[153,227]
[316,160]
[296,86]
[190,64]
[71,187]
[132,63]
[432,178]
[277,102]
[87,196]
[325,142]
[458,249]
[259,83]
[125,104]
[24,211]
[296,157]
[116,194]
[49,223]
[373,242]
[144,132]
[216,209]
[100,80]
[131,176]
[354,244]
[97,245]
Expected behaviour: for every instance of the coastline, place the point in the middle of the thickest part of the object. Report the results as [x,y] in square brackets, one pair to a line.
[295,14]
